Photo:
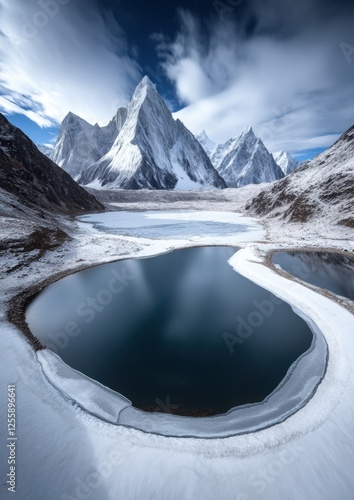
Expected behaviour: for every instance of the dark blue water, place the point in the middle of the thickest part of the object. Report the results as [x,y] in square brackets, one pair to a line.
[182,329]
[332,271]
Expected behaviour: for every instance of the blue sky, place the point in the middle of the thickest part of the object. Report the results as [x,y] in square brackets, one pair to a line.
[284,67]
[39,135]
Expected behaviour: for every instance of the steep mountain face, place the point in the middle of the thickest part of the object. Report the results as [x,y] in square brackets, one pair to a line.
[322,189]
[207,144]
[34,179]
[81,144]
[286,162]
[152,151]
[245,160]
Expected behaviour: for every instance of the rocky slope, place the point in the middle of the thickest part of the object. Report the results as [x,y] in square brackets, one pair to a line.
[32,180]
[322,189]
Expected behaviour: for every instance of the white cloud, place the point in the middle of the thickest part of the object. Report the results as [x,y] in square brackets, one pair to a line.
[8,106]
[57,56]
[295,90]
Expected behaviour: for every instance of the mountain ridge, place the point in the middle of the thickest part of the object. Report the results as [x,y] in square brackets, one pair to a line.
[285,161]
[242,160]
[80,144]
[322,187]
[153,151]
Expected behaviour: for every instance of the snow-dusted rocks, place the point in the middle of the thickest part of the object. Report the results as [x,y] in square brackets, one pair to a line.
[322,190]
[80,144]
[286,162]
[152,151]
[243,160]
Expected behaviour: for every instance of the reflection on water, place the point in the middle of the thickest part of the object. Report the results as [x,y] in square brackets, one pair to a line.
[178,329]
[332,271]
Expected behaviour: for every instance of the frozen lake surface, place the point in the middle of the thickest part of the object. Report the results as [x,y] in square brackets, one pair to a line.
[181,225]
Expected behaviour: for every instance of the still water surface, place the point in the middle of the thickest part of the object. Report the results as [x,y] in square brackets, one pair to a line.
[332,271]
[179,329]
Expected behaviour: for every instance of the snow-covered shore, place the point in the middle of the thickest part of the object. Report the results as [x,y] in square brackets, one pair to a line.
[66,453]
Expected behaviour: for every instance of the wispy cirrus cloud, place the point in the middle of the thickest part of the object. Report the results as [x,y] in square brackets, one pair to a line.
[59,56]
[279,68]
[284,67]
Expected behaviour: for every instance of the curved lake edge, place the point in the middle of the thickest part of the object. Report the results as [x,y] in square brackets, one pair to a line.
[116,409]
[343,301]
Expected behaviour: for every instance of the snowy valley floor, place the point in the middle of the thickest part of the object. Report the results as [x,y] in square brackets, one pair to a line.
[64,452]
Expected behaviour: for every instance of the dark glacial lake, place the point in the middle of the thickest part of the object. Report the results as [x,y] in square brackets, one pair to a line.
[332,271]
[181,329]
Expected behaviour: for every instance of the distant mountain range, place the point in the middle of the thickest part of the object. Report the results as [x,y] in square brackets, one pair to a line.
[79,144]
[34,180]
[143,147]
[243,160]
[322,189]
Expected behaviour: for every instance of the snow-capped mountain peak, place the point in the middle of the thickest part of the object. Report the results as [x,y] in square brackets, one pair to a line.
[152,150]
[74,120]
[248,132]
[147,83]
[286,162]
[207,144]
[144,89]
[145,94]
[245,160]
[146,106]
[80,144]
[247,137]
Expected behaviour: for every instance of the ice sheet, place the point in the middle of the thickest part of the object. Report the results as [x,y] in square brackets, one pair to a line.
[178,225]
